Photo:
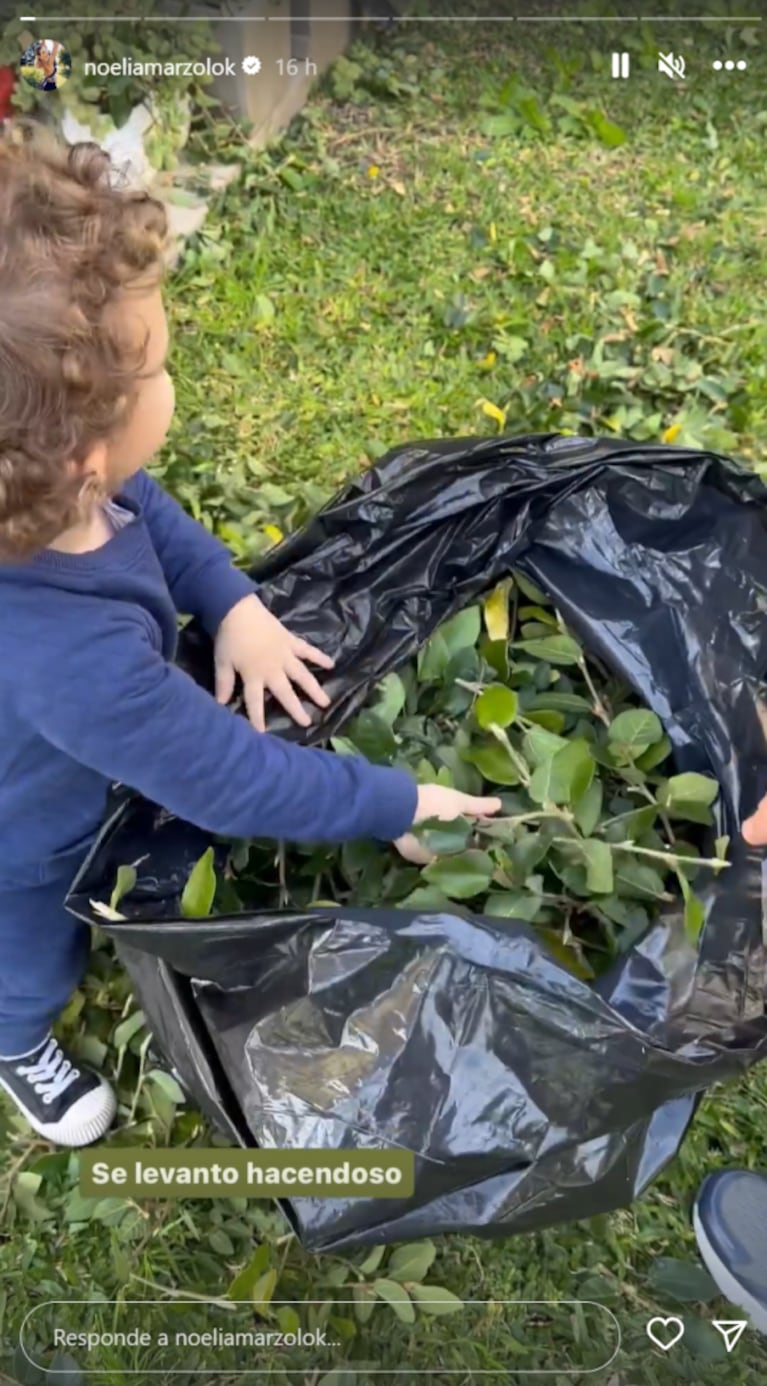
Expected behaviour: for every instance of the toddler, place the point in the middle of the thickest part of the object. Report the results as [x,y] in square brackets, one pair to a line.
[96,563]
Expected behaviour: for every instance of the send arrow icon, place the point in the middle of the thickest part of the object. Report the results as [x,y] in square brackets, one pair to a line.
[731,1330]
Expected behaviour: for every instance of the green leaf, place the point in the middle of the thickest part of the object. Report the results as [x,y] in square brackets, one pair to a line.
[694,913]
[721,847]
[632,733]
[343,746]
[529,851]
[702,1340]
[397,1297]
[546,718]
[444,838]
[364,1303]
[246,1279]
[462,631]
[264,1287]
[571,874]
[494,763]
[588,808]
[689,859]
[168,1085]
[220,1242]
[433,659]
[78,1208]
[461,877]
[288,1320]
[391,700]
[126,880]
[496,705]
[200,889]
[373,737]
[464,664]
[425,898]
[26,1186]
[682,1280]
[636,880]
[540,746]
[655,755]
[686,789]
[89,1049]
[694,917]
[606,131]
[629,827]
[556,649]
[127,1029]
[599,866]
[538,613]
[561,702]
[625,913]
[466,776]
[373,1260]
[411,1262]
[566,777]
[362,855]
[339,1376]
[496,655]
[529,589]
[435,1300]
[512,904]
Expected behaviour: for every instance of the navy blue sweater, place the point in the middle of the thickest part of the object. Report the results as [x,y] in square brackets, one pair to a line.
[89,695]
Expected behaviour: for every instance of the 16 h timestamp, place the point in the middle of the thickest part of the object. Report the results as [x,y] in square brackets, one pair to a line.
[296,67]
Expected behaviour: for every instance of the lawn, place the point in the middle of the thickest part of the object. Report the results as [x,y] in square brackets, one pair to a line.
[460,235]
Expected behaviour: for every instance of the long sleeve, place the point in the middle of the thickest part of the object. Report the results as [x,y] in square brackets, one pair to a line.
[107,699]
[198,568]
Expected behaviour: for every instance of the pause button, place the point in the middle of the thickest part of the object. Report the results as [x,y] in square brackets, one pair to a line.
[621,64]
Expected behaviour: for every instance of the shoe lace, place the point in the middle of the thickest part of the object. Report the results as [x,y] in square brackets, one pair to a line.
[51,1073]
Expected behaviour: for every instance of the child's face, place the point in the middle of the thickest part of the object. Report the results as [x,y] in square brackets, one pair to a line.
[142,316]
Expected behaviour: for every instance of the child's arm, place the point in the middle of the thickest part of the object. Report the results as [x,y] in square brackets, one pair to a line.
[198,568]
[105,696]
[249,641]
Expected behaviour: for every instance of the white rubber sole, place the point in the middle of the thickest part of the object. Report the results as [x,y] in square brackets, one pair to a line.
[84,1123]
[729,1286]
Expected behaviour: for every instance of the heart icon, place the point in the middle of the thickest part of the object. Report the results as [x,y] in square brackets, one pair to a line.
[675,1329]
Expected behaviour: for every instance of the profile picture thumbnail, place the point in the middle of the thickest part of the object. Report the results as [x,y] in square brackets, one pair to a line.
[46,64]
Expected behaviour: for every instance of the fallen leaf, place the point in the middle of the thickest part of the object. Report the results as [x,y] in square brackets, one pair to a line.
[493,412]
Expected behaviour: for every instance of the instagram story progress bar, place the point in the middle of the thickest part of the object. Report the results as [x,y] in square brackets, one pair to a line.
[401,17]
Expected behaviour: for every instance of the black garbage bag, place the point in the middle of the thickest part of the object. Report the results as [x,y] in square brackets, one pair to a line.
[529,1097]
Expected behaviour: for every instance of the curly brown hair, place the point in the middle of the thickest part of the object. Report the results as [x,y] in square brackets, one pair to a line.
[72,241]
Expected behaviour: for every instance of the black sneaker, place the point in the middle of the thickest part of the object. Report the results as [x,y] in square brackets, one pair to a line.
[65,1104]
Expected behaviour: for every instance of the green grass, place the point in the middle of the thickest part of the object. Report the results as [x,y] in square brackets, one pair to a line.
[425,239]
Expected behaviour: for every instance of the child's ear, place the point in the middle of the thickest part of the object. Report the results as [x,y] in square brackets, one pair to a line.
[92,475]
[95,465]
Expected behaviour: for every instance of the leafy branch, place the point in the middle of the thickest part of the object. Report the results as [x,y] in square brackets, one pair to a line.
[597,832]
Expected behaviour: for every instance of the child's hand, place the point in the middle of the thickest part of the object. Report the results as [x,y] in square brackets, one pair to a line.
[254,644]
[755,828]
[435,801]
